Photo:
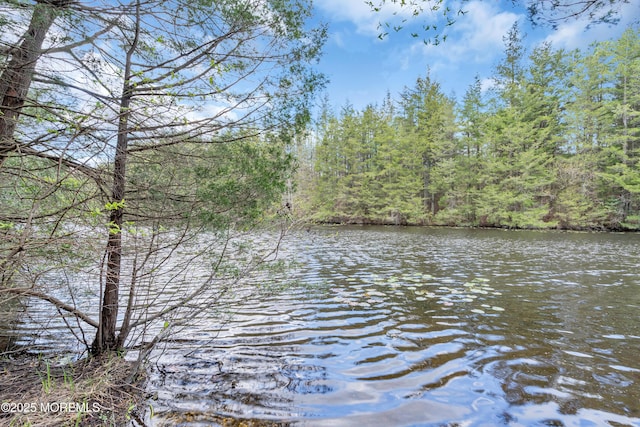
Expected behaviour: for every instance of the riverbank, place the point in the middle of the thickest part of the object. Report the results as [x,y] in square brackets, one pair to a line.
[346,220]
[89,392]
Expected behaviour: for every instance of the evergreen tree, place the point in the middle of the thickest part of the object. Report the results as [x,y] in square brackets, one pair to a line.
[399,165]
[553,144]
[580,197]
[427,120]
[469,165]
[621,171]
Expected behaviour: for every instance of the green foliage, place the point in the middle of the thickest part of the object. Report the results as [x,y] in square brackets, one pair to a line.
[556,143]
[46,379]
[114,206]
[216,185]
[39,200]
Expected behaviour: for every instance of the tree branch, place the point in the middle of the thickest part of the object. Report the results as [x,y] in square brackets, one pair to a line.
[56,302]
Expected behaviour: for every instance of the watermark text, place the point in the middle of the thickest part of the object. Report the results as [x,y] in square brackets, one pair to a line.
[48,407]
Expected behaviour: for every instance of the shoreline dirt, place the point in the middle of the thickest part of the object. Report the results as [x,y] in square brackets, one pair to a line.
[89,392]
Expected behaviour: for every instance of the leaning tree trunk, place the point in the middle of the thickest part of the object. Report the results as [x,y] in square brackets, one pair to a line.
[15,79]
[106,338]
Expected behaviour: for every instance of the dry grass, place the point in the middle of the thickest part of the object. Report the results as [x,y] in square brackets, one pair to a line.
[91,392]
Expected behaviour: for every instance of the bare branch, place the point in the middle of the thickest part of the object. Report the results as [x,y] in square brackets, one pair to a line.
[53,300]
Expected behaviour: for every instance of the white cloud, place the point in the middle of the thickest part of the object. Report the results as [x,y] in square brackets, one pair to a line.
[567,36]
[360,14]
[476,37]
[338,39]
[487,84]
[485,27]
[356,12]
[578,34]
[212,110]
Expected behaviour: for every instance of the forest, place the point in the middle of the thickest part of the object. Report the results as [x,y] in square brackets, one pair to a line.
[552,142]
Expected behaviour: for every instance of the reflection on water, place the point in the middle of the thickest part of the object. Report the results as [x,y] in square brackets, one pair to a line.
[415,326]
[406,326]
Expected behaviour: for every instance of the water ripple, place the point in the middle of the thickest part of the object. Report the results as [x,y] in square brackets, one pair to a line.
[420,327]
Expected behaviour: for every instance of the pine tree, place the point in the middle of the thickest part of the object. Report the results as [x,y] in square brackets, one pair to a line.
[427,120]
[623,142]
[469,163]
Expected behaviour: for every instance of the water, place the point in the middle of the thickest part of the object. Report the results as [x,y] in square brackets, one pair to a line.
[416,326]
[383,326]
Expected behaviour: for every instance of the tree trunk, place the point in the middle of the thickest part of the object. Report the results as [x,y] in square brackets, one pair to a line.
[17,76]
[106,335]
[106,339]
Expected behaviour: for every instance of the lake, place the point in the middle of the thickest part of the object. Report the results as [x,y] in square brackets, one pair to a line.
[384,326]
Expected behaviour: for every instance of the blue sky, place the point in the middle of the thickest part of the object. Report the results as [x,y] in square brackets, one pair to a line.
[362,68]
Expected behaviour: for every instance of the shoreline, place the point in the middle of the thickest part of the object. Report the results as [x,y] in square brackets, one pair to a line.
[89,392]
[343,221]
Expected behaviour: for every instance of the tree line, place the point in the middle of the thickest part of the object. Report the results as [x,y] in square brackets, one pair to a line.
[553,143]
